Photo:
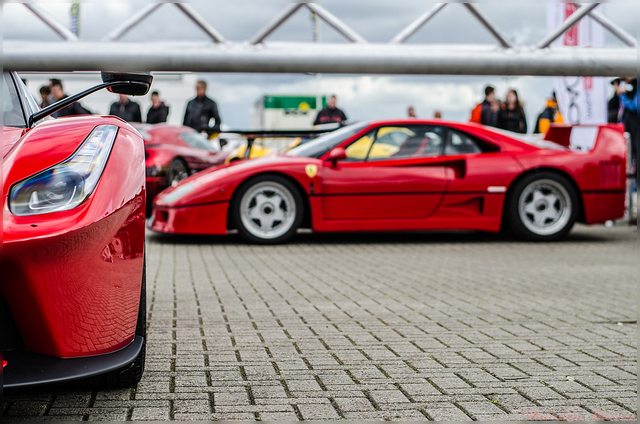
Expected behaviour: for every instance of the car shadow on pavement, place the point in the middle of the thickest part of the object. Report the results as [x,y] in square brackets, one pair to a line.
[580,234]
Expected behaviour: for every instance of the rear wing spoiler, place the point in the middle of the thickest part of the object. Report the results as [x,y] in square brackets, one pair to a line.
[600,140]
[579,137]
[252,135]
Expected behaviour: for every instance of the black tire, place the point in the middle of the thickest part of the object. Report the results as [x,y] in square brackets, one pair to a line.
[131,374]
[177,171]
[550,217]
[285,201]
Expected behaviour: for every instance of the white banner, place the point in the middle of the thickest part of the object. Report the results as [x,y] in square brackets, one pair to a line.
[581,100]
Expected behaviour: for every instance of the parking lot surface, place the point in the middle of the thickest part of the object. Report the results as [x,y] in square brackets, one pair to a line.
[378,326]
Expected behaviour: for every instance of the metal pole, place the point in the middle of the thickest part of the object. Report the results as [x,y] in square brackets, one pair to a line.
[56,26]
[275,23]
[622,35]
[484,20]
[335,23]
[630,178]
[200,22]
[316,39]
[418,23]
[134,20]
[331,58]
[566,25]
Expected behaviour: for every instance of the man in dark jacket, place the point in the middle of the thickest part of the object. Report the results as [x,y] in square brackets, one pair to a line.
[330,113]
[126,109]
[158,111]
[200,111]
[613,106]
[73,109]
[486,113]
[490,107]
[627,92]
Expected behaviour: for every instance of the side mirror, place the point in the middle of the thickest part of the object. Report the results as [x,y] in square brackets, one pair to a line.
[337,154]
[133,84]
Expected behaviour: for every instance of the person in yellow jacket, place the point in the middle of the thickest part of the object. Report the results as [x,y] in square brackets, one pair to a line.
[550,115]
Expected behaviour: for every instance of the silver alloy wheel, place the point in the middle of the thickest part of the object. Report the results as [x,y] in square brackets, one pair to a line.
[545,207]
[267,210]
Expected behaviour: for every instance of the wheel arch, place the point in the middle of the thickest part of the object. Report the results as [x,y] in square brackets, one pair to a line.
[306,219]
[572,181]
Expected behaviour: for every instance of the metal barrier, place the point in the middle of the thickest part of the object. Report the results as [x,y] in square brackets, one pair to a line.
[358,56]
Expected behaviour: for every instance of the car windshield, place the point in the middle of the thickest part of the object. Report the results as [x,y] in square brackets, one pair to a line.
[322,144]
[197,140]
[12,115]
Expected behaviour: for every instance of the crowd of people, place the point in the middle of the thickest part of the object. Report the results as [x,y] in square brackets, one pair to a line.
[198,113]
[507,114]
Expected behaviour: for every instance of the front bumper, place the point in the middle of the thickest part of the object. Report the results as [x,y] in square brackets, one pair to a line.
[26,369]
[207,219]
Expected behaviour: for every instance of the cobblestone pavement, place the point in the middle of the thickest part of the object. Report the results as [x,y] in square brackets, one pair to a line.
[373,327]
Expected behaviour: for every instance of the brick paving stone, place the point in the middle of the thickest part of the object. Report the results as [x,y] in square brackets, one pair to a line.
[446,412]
[149,414]
[318,412]
[378,327]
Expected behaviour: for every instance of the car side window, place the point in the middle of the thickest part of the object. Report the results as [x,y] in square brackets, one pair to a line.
[460,144]
[197,140]
[403,142]
[359,149]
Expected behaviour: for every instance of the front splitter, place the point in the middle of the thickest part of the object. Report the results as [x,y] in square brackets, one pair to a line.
[26,369]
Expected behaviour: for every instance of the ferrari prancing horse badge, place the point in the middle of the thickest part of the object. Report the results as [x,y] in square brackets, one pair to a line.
[311,170]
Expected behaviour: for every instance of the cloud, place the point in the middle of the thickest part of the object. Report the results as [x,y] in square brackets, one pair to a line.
[362,96]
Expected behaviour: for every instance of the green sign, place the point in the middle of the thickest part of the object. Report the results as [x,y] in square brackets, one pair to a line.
[292,102]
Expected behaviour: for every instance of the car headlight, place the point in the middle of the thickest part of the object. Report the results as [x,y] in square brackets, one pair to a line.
[67,184]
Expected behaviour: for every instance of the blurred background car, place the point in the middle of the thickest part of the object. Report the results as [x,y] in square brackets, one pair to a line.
[280,141]
[173,152]
[257,150]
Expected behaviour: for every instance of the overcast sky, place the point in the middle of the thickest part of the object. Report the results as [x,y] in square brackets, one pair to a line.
[361,97]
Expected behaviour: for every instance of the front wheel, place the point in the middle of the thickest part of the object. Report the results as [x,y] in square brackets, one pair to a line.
[267,209]
[176,172]
[543,207]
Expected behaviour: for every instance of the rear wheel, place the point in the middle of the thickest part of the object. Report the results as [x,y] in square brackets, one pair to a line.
[176,172]
[543,206]
[267,209]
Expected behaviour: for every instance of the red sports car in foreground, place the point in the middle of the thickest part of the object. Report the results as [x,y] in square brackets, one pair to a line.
[173,152]
[409,175]
[73,282]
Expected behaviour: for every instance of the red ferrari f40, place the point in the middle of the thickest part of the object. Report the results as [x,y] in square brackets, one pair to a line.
[409,175]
